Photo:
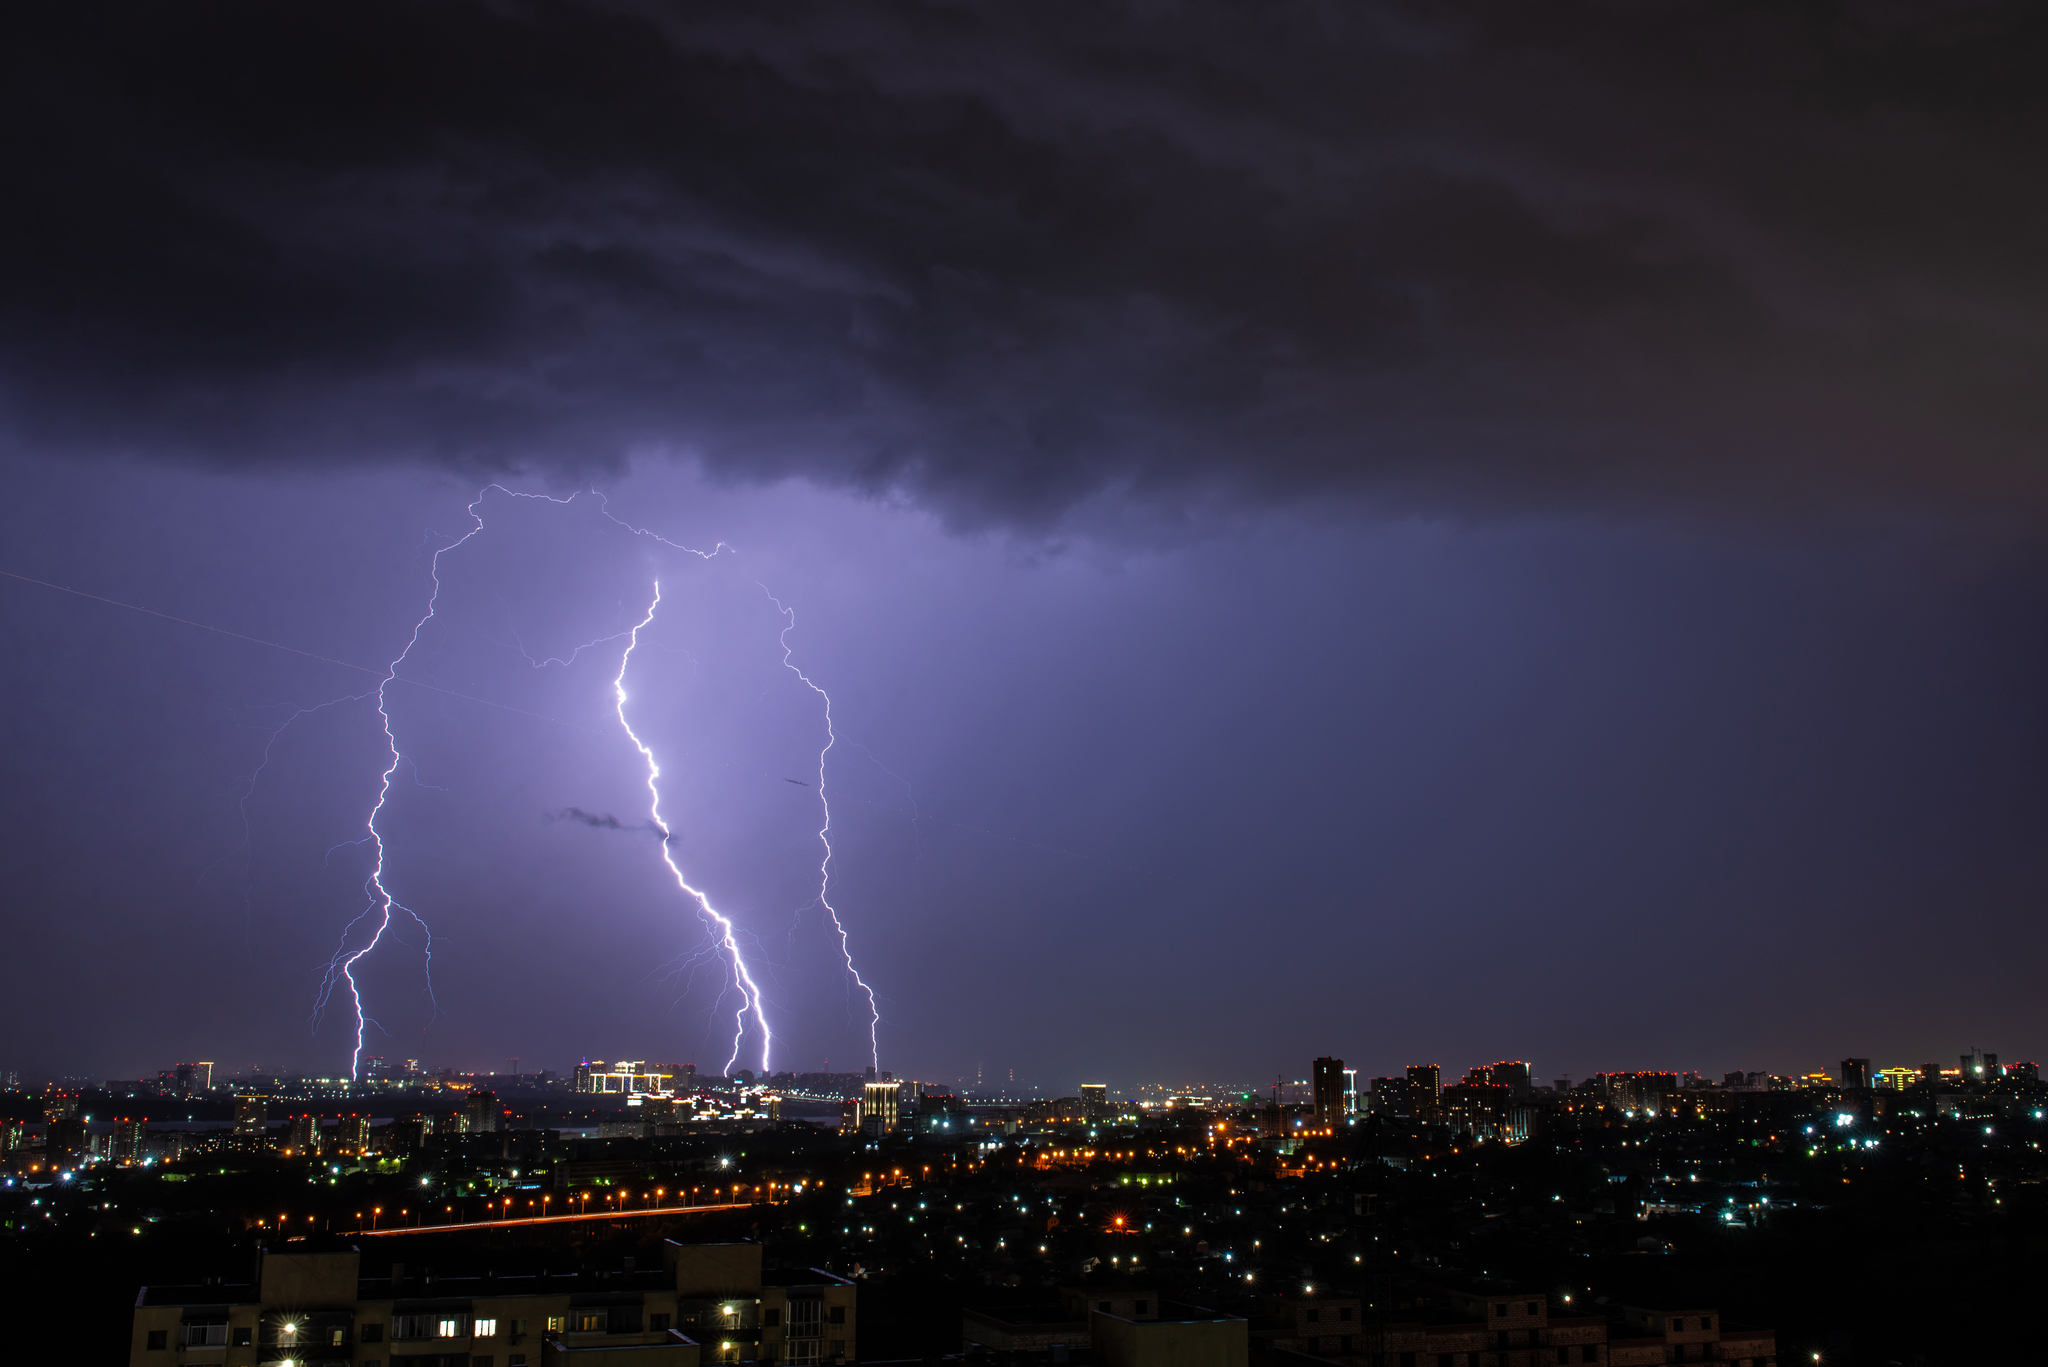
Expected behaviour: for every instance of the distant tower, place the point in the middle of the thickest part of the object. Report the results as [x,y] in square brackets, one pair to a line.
[1855,1074]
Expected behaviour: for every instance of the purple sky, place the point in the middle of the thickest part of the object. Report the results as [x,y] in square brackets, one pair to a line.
[1412,533]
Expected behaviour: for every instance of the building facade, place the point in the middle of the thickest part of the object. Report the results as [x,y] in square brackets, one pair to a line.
[709,1303]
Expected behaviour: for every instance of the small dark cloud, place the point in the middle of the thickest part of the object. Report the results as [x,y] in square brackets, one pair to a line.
[607,822]
[1009,260]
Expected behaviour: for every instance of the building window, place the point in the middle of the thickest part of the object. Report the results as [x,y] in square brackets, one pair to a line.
[1500,1311]
[445,1328]
[486,1329]
[371,1333]
[243,1336]
[1145,1307]
[1678,1325]
[518,1326]
[484,1361]
[1407,1360]
[771,1319]
[1590,1353]
[287,1335]
[1564,1355]
[1313,1315]
[158,1338]
[1103,1306]
[1532,1307]
[836,1315]
[659,1323]
[1344,1345]
[1706,1321]
[515,1360]
[838,1349]
[557,1323]
[1344,1313]
[588,1321]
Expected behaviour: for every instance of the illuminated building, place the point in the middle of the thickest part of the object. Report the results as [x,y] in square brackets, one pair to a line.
[1855,1074]
[352,1134]
[1327,1076]
[302,1136]
[880,1108]
[249,1111]
[1898,1079]
[1095,1099]
[709,1303]
[634,1078]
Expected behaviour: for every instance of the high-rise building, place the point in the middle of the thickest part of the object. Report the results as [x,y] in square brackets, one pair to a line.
[249,1113]
[302,1137]
[1095,1099]
[1855,1074]
[1327,1078]
[880,1108]
[1514,1075]
[1425,1089]
[1350,1091]
[127,1141]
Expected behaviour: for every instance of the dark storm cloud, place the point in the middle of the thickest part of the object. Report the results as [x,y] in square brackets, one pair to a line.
[1002,259]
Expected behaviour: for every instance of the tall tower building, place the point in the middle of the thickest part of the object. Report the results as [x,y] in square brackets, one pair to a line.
[1425,1089]
[1095,1099]
[1328,1082]
[1855,1074]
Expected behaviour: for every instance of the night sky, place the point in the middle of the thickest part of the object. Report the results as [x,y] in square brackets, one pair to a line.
[1424,533]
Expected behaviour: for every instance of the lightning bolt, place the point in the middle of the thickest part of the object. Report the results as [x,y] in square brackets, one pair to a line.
[825,832]
[721,927]
[381,904]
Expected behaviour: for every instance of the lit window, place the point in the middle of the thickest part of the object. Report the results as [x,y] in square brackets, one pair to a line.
[447,1329]
[557,1323]
[486,1329]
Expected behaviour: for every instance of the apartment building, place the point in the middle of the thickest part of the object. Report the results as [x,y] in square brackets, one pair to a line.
[709,1303]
